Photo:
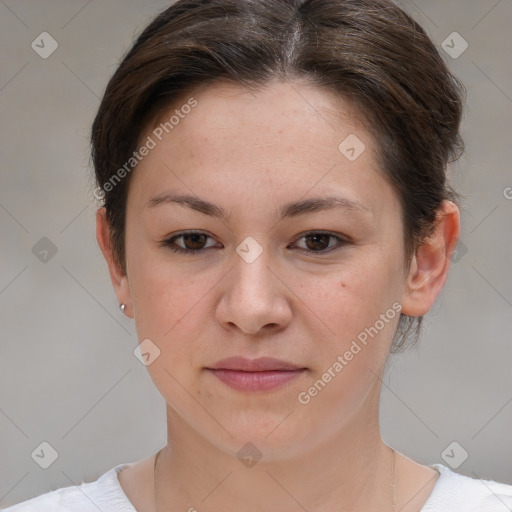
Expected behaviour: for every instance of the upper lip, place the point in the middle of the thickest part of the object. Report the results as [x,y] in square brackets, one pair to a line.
[254,365]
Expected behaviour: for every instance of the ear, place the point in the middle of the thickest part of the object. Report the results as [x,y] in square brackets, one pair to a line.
[430,263]
[119,280]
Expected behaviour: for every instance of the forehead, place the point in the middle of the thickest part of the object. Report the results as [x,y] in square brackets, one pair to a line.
[294,111]
[283,138]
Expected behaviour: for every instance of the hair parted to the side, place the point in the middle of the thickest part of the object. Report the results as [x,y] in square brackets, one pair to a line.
[369,52]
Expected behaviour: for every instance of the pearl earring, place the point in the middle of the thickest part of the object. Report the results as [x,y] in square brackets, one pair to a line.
[122,307]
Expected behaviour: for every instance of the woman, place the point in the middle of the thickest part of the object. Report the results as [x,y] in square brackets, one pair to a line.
[276,220]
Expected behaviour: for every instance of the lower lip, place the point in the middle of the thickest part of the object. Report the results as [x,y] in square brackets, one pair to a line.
[256,381]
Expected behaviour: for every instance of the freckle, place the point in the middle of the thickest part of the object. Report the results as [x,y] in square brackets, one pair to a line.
[343,285]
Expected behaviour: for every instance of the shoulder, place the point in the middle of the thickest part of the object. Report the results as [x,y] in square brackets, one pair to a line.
[103,494]
[454,491]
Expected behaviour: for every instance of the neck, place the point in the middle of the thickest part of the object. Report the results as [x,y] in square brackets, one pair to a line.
[352,470]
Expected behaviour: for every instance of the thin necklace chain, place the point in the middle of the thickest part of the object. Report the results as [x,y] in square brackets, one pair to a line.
[392,485]
[394,479]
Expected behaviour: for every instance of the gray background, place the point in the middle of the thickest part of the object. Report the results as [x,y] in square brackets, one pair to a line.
[68,375]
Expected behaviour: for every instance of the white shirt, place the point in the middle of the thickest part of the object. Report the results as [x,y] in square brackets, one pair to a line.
[452,493]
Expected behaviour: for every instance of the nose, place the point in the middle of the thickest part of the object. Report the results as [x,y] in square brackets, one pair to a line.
[255,297]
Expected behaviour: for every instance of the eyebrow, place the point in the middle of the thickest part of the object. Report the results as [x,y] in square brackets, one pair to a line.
[288,210]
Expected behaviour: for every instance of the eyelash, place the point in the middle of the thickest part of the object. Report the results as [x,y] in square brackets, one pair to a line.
[170,242]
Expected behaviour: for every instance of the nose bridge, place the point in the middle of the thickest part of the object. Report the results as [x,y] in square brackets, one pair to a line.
[252,269]
[253,297]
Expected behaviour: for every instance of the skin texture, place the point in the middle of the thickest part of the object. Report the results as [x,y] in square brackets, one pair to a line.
[249,154]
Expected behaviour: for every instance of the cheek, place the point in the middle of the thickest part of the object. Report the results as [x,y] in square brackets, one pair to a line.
[360,309]
[161,290]
[167,302]
[171,310]
[355,295]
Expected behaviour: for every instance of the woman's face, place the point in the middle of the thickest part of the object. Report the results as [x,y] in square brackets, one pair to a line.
[266,280]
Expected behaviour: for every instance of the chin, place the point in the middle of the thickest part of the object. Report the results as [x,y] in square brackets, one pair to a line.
[265,439]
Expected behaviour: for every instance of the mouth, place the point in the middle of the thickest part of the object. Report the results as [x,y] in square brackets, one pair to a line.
[262,374]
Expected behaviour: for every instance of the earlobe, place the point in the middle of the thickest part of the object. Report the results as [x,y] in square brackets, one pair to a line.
[118,278]
[429,266]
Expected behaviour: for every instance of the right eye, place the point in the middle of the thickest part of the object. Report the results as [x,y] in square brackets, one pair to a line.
[193,241]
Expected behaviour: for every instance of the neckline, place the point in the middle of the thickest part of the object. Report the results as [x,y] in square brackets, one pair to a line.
[125,501]
[442,470]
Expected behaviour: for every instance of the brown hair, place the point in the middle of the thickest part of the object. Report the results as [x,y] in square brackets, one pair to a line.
[369,52]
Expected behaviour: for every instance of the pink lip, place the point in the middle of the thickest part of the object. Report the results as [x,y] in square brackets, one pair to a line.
[262,374]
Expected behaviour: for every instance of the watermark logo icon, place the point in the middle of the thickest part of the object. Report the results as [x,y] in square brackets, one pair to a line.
[454,45]
[249,250]
[44,250]
[44,45]
[459,252]
[249,455]
[45,455]
[454,454]
[146,352]
[351,147]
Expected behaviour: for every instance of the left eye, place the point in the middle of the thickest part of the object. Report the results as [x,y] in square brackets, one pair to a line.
[194,242]
[318,241]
